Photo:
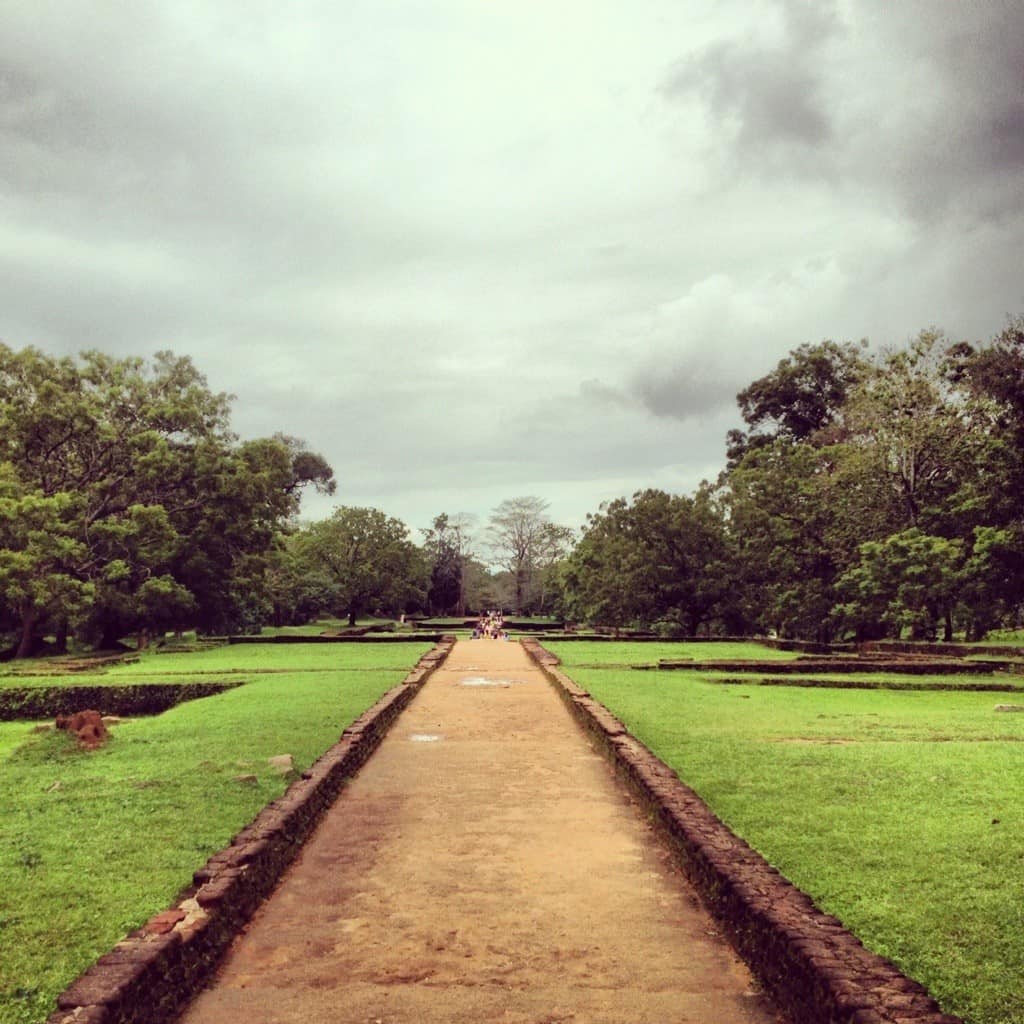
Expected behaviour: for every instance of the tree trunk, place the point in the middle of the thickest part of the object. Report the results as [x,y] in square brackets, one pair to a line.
[947,633]
[142,639]
[110,640]
[60,644]
[28,644]
[352,615]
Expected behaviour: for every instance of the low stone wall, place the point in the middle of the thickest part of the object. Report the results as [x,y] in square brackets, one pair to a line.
[606,634]
[806,646]
[944,650]
[124,699]
[816,970]
[149,976]
[341,638]
[851,683]
[844,666]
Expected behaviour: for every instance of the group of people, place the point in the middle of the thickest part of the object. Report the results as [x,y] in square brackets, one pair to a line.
[490,627]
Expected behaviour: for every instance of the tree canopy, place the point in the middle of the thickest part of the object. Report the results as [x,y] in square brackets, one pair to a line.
[870,494]
[127,504]
[367,561]
[867,494]
[525,542]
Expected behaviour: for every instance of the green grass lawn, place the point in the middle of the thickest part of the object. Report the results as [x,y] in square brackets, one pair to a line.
[622,652]
[1004,636]
[93,844]
[331,625]
[234,658]
[901,813]
[227,661]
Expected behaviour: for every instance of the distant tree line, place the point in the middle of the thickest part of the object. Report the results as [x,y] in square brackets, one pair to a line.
[360,561]
[867,496]
[128,508]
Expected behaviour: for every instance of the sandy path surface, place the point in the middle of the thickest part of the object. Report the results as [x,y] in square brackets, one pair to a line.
[485,865]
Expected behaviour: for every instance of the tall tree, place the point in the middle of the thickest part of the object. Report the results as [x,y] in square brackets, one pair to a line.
[910,580]
[800,398]
[655,559]
[39,549]
[913,434]
[168,513]
[516,535]
[369,559]
[782,526]
[449,546]
[552,550]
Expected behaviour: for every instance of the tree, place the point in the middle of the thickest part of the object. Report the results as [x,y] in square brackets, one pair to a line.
[910,580]
[134,591]
[992,579]
[552,549]
[657,559]
[517,534]
[307,467]
[910,447]
[991,380]
[166,514]
[295,591]
[801,397]
[448,543]
[786,523]
[368,558]
[38,552]
[915,435]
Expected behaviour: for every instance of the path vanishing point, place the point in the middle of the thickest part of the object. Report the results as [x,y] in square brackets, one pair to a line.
[484,865]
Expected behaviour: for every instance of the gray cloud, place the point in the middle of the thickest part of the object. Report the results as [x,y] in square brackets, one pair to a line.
[685,393]
[918,100]
[469,251]
[771,92]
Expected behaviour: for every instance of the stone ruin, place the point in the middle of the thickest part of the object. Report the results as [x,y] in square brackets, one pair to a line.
[87,726]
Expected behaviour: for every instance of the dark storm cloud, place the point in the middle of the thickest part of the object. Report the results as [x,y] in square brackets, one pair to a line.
[199,132]
[770,92]
[920,100]
[687,392]
[472,250]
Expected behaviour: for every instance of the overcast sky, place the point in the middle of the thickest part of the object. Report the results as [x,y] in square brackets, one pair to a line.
[480,249]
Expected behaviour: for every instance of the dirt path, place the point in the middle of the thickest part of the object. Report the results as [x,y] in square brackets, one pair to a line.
[485,865]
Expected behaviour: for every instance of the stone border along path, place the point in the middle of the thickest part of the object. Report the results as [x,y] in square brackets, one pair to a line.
[460,878]
[485,865]
[815,969]
[151,974]
[123,699]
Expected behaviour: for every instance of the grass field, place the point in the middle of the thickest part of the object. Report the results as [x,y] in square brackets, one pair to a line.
[331,625]
[93,844]
[1004,636]
[622,652]
[901,813]
[228,661]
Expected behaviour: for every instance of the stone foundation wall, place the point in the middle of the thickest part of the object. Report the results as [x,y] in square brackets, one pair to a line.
[337,638]
[944,649]
[150,975]
[816,970]
[124,699]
